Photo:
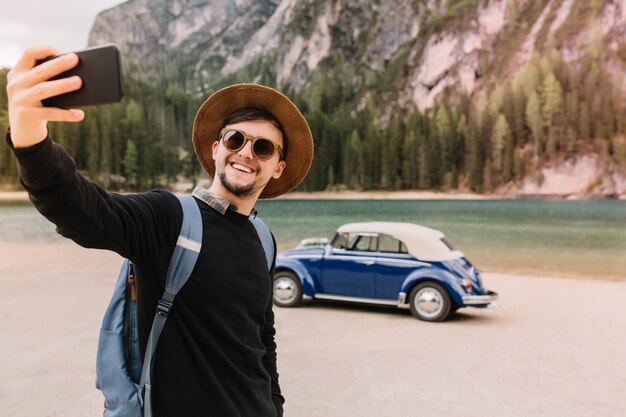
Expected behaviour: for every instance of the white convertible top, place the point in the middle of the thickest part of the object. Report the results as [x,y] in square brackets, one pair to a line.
[422,242]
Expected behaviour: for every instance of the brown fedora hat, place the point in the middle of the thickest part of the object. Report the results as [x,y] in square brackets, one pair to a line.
[222,103]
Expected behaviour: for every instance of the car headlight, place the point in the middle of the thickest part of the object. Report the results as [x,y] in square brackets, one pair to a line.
[467,284]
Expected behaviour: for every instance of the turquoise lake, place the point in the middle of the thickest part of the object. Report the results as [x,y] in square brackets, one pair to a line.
[560,238]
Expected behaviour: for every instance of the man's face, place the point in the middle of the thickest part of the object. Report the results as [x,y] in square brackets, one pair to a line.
[240,173]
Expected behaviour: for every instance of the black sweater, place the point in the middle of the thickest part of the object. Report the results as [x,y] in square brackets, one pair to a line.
[216,355]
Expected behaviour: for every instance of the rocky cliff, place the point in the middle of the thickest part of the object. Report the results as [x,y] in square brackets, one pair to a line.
[424,49]
[585,176]
[177,40]
[444,42]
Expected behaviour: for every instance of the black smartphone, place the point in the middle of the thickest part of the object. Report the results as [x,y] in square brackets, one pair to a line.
[99,68]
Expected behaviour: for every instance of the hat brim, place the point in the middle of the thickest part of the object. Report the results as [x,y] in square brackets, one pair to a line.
[223,103]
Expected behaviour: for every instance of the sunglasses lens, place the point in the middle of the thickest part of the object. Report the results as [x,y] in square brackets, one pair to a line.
[233,140]
[263,148]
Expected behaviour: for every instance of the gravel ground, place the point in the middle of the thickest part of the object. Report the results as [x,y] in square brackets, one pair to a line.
[555,347]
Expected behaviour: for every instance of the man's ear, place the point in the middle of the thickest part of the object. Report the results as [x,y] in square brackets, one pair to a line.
[278,171]
[214,147]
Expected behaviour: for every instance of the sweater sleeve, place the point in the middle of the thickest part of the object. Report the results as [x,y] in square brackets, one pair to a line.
[134,226]
[269,359]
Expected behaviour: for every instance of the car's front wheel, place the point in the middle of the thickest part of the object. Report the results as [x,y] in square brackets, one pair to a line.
[430,301]
[287,289]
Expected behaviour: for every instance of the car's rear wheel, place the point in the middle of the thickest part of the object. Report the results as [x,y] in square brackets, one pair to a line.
[430,301]
[287,289]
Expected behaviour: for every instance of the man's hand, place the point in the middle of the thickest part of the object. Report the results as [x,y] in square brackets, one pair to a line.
[28,84]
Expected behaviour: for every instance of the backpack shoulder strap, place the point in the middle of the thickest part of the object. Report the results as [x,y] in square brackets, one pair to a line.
[181,265]
[187,247]
[266,239]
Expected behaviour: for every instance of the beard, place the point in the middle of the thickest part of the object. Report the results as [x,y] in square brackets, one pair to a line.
[236,190]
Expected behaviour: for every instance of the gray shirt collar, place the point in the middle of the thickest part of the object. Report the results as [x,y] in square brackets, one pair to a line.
[218,203]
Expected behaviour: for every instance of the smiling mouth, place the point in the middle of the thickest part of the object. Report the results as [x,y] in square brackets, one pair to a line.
[241,168]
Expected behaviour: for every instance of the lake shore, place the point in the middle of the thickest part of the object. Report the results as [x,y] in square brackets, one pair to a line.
[54,295]
[13,196]
[336,195]
[387,195]
[8,196]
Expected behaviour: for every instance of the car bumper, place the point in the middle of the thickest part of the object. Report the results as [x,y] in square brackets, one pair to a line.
[487,300]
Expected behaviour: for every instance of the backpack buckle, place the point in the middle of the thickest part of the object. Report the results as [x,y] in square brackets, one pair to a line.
[163,307]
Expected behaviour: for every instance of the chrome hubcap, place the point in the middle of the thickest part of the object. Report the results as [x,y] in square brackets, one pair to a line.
[285,290]
[428,302]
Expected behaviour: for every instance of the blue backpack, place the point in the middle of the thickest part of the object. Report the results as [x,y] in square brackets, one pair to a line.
[122,377]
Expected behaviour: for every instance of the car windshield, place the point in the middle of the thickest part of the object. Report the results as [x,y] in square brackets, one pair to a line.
[340,241]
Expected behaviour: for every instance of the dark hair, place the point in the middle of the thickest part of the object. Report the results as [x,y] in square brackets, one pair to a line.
[254,113]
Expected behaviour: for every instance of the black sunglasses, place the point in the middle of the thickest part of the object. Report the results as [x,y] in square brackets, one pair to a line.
[262,149]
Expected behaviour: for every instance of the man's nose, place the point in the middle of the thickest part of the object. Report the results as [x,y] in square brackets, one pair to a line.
[246,151]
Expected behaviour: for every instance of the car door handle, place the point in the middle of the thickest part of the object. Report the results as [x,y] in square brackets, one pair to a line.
[367,262]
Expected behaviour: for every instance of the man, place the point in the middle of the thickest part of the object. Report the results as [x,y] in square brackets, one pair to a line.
[216,355]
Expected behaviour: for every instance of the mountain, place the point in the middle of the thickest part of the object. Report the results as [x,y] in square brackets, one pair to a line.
[552,69]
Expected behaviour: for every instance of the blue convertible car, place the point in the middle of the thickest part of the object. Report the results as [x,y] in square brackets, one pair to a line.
[399,264]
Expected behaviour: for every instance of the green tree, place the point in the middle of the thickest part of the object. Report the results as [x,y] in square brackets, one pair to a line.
[553,113]
[530,78]
[353,161]
[429,160]
[584,130]
[534,120]
[410,162]
[597,125]
[8,168]
[619,150]
[92,134]
[391,164]
[475,160]
[133,129]
[106,132]
[502,150]
[372,150]
[444,133]
[572,111]
[130,163]
[178,102]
